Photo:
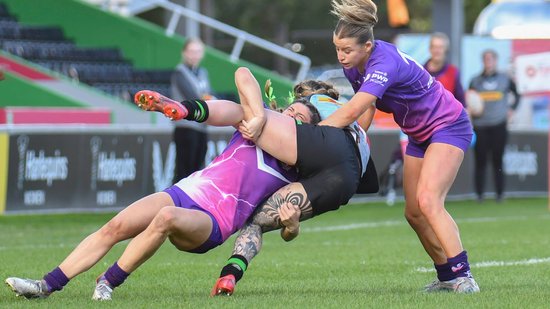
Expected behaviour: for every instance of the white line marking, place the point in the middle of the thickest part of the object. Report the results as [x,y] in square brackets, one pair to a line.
[377,224]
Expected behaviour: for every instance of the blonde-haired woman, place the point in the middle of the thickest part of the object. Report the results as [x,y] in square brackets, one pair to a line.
[438,127]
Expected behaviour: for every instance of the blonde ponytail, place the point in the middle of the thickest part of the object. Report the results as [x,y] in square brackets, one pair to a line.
[356,19]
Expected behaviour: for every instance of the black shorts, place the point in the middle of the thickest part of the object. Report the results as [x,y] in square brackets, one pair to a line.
[369,181]
[328,166]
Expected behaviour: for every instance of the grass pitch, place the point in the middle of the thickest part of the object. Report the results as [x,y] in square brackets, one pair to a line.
[362,256]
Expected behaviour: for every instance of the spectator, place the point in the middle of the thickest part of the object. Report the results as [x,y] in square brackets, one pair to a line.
[439,68]
[491,124]
[190,81]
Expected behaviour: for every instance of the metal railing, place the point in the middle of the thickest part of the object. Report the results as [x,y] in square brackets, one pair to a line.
[135,7]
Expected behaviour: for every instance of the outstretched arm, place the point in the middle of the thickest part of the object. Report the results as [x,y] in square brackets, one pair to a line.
[361,107]
[275,133]
[250,96]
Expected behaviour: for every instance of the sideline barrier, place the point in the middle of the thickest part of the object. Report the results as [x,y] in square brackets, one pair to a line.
[86,168]
[526,164]
[69,168]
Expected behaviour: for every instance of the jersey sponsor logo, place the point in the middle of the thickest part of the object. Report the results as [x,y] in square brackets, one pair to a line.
[377,77]
[491,95]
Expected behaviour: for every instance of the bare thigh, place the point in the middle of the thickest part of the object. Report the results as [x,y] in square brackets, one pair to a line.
[187,228]
[135,218]
[411,172]
[439,170]
[279,137]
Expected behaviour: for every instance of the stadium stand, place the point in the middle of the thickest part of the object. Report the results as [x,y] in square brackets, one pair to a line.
[103,68]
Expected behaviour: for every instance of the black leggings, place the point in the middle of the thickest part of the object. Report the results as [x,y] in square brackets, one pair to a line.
[490,142]
[328,166]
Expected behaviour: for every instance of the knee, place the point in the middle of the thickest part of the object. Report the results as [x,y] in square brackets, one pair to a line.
[428,204]
[165,219]
[114,231]
[414,217]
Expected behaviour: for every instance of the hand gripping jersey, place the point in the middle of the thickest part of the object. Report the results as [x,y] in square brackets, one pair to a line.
[420,105]
[236,182]
[326,106]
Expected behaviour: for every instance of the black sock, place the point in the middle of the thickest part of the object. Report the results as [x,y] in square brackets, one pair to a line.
[236,266]
[197,110]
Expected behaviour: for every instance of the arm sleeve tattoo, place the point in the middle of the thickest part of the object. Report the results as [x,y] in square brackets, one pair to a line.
[266,218]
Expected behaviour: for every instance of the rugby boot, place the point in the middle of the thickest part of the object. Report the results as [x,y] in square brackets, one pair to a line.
[153,101]
[103,290]
[224,286]
[466,285]
[28,288]
[439,286]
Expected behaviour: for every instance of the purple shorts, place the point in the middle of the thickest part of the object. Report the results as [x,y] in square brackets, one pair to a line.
[182,200]
[458,134]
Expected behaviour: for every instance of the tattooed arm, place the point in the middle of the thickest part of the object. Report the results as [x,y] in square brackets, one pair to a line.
[266,218]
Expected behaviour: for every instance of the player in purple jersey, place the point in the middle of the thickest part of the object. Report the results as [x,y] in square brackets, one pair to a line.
[197,214]
[330,162]
[437,125]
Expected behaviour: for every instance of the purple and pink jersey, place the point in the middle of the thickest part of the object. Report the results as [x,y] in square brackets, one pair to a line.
[420,105]
[236,182]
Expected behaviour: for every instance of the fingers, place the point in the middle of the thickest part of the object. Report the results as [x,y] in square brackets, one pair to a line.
[251,129]
[288,211]
[245,132]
